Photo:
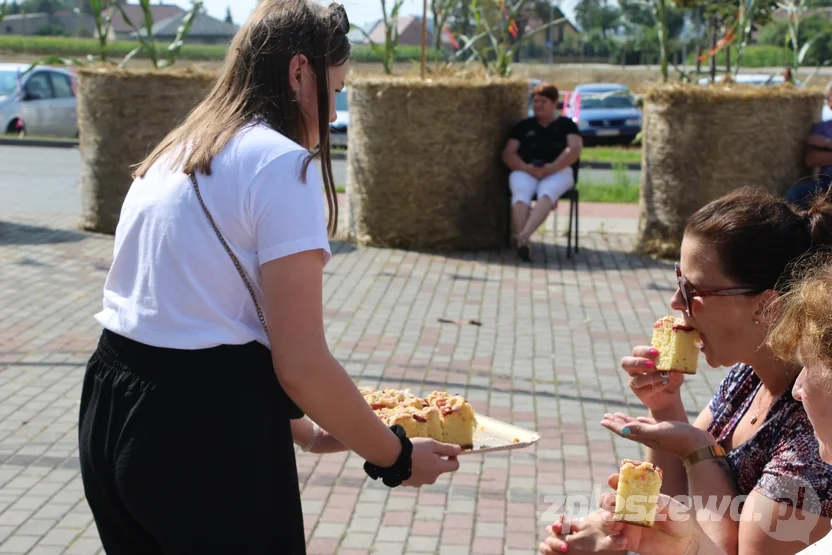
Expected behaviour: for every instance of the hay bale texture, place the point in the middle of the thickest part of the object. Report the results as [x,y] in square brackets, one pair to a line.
[702,142]
[122,117]
[425,169]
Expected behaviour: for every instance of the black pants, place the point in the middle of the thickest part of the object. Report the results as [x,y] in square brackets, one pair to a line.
[189,451]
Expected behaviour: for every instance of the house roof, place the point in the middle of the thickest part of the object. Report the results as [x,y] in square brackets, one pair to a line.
[567,8]
[376,31]
[203,26]
[136,15]
[536,23]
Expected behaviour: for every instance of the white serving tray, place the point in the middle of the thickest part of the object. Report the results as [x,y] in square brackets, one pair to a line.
[495,435]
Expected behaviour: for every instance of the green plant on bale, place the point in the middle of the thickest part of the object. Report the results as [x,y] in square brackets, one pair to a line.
[110,96]
[102,15]
[103,25]
[386,51]
[161,58]
[497,34]
[795,10]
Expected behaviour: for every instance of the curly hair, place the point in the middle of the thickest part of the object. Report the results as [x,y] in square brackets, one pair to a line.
[803,325]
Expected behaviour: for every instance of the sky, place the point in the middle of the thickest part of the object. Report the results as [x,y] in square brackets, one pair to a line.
[360,12]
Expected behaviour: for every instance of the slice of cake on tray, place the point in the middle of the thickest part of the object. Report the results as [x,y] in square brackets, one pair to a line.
[639,485]
[458,421]
[440,416]
[677,344]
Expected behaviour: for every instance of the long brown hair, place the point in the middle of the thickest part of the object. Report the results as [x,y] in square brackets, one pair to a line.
[255,84]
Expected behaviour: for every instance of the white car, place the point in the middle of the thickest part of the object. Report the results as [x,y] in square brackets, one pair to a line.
[42,102]
[338,137]
[760,79]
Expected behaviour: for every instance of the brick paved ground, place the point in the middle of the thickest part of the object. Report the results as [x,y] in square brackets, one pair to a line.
[546,357]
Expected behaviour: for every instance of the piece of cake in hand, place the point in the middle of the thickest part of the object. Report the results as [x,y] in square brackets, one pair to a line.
[639,484]
[458,421]
[677,344]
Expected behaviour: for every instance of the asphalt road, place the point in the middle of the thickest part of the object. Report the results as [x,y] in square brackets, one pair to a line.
[40,179]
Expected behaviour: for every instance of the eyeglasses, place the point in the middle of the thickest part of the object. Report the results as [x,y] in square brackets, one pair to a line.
[341,12]
[689,291]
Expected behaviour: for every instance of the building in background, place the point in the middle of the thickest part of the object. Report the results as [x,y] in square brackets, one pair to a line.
[205,30]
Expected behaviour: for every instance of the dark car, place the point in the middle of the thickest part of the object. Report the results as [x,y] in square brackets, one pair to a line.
[605,113]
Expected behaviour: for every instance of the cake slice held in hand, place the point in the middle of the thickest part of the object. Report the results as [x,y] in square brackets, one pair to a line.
[677,344]
[637,497]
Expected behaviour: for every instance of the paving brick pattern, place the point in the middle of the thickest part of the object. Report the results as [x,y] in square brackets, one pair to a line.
[546,357]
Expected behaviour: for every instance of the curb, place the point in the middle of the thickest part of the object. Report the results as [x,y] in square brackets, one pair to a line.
[336,155]
[609,166]
[342,155]
[38,143]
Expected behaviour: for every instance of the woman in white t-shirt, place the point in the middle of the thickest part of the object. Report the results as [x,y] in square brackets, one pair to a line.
[213,349]
[803,332]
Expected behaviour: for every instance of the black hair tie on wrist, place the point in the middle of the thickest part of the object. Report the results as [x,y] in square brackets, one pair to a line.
[401,470]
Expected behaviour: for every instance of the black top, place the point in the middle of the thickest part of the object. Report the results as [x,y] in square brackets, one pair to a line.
[542,145]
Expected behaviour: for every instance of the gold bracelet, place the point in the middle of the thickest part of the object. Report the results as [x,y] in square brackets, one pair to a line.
[705,453]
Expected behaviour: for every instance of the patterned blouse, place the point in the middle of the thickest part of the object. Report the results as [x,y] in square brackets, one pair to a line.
[782,457]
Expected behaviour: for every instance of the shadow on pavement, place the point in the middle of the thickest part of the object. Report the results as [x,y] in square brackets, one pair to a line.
[548,256]
[21,234]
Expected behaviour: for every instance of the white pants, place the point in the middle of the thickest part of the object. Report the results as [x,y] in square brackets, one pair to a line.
[524,186]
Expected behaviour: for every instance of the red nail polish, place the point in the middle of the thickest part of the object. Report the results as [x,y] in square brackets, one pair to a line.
[650,364]
[563,548]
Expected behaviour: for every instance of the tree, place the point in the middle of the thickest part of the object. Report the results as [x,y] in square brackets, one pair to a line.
[228,17]
[638,16]
[597,14]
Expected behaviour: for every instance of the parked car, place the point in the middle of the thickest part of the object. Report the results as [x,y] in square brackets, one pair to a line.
[41,102]
[759,79]
[339,128]
[605,112]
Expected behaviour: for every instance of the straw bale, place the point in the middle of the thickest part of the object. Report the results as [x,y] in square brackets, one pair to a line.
[424,166]
[122,116]
[702,142]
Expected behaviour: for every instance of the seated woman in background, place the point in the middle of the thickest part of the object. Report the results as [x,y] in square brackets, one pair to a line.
[803,332]
[753,439]
[818,155]
[542,154]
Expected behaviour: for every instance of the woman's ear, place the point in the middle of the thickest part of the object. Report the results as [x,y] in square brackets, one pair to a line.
[298,64]
[766,308]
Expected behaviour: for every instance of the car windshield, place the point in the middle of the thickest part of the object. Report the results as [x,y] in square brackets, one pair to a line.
[341,101]
[8,82]
[607,100]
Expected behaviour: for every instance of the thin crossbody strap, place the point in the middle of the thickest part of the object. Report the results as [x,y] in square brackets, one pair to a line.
[231,254]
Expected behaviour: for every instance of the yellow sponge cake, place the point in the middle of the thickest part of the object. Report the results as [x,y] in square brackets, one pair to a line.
[415,423]
[458,421]
[677,345]
[440,416]
[639,484]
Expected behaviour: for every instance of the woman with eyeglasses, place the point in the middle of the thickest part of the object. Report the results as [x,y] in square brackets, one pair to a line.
[753,442]
[803,331]
[213,348]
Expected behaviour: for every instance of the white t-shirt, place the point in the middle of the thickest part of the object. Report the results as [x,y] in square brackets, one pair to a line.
[172,283]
